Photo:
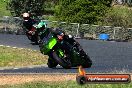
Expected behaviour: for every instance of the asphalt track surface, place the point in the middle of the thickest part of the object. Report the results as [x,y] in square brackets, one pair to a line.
[107,56]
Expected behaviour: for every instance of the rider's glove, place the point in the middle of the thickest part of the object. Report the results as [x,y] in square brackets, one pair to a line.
[60,36]
[31,32]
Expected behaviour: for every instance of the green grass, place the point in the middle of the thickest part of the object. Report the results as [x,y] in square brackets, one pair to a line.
[20,57]
[70,84]
[3,10]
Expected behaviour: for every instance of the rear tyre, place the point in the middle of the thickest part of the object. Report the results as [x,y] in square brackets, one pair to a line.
[52,63]
[64,62]
[88,63]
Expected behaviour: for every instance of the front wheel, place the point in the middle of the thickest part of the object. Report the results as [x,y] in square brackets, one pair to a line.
[32,38]
[63,61]
[52,63]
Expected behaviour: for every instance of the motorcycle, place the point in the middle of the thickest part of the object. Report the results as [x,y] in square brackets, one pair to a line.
[32,37]
[63,52]
[35,35]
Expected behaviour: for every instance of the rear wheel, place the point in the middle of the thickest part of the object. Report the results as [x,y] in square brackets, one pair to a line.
[88,62]
[63,61]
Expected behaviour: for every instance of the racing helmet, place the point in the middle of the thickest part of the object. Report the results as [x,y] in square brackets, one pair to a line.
[26,16]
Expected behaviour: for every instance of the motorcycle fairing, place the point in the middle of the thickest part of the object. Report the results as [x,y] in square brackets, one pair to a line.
[48,45]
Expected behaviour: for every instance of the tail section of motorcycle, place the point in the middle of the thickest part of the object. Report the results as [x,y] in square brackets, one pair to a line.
[77,55]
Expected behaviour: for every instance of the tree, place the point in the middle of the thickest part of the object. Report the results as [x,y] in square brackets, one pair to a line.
[49,6]
[17,7]
[81,11]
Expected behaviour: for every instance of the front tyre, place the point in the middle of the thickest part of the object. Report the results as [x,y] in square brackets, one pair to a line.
[52,63]
[64,62]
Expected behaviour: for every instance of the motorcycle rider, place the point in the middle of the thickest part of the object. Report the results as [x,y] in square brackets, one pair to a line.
[61,36]
[29,28]
[42,27]
[44,37]
[28,23]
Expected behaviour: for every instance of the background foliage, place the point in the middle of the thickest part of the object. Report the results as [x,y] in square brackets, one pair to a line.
[3,9]
[81,11]
[119,16]
[17,7]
